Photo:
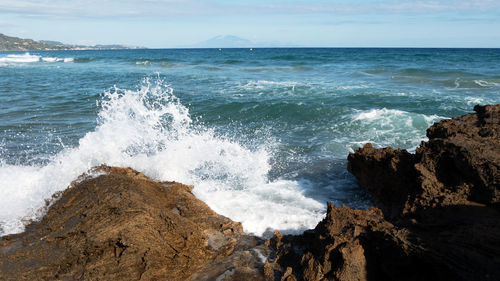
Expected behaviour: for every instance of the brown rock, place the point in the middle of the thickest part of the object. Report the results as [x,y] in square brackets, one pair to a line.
[438,220]
[459,165]
[439,217]
[124,226]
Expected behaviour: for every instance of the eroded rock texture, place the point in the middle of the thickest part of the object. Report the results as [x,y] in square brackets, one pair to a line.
[460,164]
[439,213]
[123,226]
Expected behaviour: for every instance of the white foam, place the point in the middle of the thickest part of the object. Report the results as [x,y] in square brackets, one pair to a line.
[383,114]
[24,58]
[471,101]
[28,58]
[483,83]
[262,84]
[49,59]
[150,131]
[391,127]
[146,62]
[351,87]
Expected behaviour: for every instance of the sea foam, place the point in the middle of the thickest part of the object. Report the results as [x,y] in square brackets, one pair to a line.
[149,130]
[29,58]
[24,58]
[391,127]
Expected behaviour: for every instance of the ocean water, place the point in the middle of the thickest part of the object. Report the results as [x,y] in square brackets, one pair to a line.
[262,134]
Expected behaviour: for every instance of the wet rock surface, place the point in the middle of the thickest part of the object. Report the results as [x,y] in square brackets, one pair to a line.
[460,164]
[438,216]
[121,225]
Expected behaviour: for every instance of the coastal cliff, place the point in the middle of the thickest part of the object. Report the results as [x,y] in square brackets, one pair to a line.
[437,217]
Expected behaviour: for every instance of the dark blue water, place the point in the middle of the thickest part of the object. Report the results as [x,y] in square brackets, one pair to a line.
[263,134]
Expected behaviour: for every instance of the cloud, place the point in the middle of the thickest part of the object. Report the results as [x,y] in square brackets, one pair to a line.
[440,6]
[101,8]
[181,8]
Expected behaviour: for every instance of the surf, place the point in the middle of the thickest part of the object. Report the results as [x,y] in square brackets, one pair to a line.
[150,130]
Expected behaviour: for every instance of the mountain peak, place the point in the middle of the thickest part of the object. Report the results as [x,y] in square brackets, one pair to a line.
[225,41]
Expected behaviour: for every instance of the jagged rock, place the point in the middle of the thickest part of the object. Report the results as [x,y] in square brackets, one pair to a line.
[439,216]
[439,219]
[458,244]
[459,165]
[122,225]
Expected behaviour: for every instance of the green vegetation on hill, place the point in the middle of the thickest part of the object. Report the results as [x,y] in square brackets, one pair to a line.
[8,43]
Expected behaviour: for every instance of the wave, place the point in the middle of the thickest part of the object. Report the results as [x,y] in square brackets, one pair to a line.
[29,58]
[24,58]
[351,87]
[486,84]
[422,72]
[284,69]
[83,60]
[261,84]
[149,130]
[143,62]
[375,71]
[389,127]
[232,62]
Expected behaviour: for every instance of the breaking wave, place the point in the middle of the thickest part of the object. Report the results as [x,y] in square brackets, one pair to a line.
[149,130]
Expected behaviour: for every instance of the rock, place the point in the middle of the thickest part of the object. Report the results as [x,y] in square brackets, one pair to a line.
[124,226]
[347,245]
[459,165]
[362,245]
[439,216]
[387,174]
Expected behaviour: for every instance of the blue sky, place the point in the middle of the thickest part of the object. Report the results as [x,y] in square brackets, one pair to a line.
[314,23]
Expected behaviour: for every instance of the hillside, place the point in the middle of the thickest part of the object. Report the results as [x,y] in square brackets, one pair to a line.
[8,43]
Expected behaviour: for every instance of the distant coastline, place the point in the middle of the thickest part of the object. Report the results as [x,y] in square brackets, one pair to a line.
[9,43]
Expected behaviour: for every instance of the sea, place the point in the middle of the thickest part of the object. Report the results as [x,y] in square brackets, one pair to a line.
[263,134]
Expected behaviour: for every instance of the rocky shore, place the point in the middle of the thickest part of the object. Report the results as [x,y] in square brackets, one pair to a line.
[117,224]
[437,217]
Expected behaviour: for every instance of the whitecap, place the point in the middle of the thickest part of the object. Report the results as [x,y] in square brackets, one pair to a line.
[351,87]
[390,127]
[487,84]
[50,59]
[261,84]
[24,58]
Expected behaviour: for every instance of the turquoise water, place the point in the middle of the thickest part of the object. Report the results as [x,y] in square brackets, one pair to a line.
[262,134]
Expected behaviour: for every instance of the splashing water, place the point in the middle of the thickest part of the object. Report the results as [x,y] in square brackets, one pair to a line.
[149,130]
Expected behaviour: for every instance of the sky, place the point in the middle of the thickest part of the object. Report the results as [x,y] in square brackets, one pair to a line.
[299,23]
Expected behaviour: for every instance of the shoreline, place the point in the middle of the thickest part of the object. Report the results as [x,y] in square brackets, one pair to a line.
[437,218]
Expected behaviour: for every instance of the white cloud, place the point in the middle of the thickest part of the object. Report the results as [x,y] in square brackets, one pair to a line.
[179,8]
[440,6]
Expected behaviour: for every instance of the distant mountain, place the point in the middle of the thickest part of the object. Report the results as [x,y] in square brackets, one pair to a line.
[226,41]
[105,47]
[8,43]
[52,43]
